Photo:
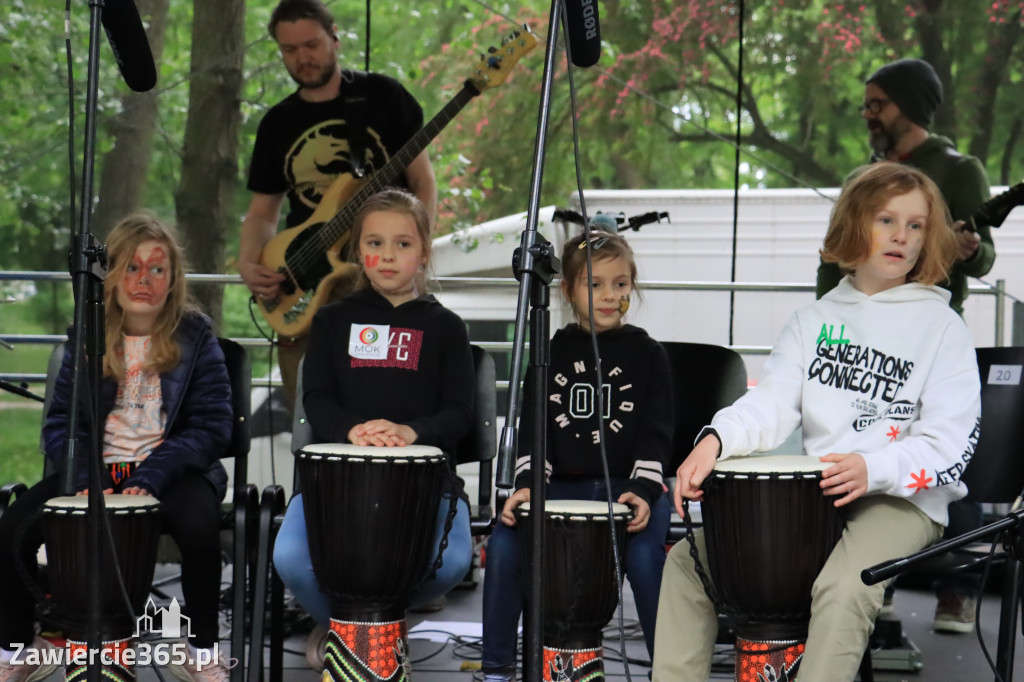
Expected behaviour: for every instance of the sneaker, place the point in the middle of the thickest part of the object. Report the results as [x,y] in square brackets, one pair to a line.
[498,677]
[955,613]
[26,672]
[217,671]
[316,648]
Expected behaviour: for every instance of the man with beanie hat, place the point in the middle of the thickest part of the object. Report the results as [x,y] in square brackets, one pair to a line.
[900,100]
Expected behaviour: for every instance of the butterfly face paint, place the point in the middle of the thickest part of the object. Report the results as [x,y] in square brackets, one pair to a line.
[623,305]
[371,261]
[147,280]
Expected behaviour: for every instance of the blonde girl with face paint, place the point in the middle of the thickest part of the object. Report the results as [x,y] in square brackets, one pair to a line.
[386,366]
[166,419]
[637,430]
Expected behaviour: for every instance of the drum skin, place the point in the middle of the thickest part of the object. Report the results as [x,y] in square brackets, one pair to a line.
[135,525]
[769,530]
[370,517]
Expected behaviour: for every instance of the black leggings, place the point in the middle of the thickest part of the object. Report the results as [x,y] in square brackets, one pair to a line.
[190,514]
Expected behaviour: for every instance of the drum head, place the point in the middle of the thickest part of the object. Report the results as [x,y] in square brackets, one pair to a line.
[347,450]
[582,509]
[772,464]
[115,503]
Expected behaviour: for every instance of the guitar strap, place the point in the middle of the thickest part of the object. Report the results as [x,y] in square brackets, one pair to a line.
[354,109]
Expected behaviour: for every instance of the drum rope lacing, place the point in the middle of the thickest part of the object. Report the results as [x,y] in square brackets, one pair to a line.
[455,492]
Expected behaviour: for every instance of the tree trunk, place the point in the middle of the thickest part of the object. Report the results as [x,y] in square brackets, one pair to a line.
[992,74]
[126,166]
[209,169]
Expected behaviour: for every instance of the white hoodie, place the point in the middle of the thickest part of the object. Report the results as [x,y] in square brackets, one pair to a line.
[892,376]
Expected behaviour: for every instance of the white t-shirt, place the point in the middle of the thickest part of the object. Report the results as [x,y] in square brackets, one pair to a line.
[135,427]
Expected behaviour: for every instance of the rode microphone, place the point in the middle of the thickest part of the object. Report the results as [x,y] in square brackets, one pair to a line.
[129,44]
[584,31]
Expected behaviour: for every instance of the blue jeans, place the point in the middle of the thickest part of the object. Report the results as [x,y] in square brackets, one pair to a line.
[291,559]
[503,584]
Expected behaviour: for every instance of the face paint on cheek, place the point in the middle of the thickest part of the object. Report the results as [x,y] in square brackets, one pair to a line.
[623,305]
[371,261]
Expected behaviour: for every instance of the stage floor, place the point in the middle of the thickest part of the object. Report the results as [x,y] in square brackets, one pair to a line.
[450,652]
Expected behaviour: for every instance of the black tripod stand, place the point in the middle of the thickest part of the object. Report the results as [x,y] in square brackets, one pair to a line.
[1011,531]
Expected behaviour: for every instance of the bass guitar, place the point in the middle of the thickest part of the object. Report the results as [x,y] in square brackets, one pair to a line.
[994,211]
[310,255]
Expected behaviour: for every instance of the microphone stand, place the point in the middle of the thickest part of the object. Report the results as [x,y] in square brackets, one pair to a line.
[535,265]
[87,264]
[1013,525]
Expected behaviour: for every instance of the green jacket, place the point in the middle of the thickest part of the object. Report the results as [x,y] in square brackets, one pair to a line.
[964,184]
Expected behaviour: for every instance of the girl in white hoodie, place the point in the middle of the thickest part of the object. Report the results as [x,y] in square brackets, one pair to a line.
[881,376]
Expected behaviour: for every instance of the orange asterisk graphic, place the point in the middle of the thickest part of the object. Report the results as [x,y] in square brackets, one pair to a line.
[893,432]
[920,481]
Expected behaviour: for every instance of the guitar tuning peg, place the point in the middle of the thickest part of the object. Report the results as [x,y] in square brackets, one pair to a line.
[492,49]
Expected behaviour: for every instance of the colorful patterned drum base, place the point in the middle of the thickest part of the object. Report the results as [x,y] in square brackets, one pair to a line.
[115,664]
[367,652]
[572,665]
[768,660]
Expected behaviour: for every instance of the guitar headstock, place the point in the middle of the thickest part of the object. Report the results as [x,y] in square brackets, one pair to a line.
[494,67]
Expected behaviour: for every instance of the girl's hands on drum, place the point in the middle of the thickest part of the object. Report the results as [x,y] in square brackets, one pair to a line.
[694,469]
[847,477]
[382,433]
[515,499]
[135,490]
[106,491]
[641,511]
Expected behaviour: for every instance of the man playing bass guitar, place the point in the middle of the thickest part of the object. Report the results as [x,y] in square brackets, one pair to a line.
[338,123]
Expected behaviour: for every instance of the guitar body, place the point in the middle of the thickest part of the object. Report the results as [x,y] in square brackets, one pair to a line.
[310,266]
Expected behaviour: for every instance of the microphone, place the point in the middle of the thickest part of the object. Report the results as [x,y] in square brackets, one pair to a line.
[584,31]
[129,44]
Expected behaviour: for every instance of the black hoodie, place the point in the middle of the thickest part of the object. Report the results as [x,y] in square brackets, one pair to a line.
[637,402]
[426,382]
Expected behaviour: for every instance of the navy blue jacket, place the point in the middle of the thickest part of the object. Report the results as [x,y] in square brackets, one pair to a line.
[196,398]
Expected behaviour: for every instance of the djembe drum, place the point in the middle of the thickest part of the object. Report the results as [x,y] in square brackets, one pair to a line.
[769,530]
[578,582]
[370,517]
[135,527]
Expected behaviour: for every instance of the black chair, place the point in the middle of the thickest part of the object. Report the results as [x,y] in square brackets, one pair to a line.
[479,445]
[995,475]
[239,512]
[705,378]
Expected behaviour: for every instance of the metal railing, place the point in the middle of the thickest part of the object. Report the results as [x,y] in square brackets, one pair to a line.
[451,284]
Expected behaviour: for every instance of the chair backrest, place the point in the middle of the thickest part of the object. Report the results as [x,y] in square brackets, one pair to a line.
[240,376]
[480,444]
[52,370]
[302,432]
[996,471]
[705,378]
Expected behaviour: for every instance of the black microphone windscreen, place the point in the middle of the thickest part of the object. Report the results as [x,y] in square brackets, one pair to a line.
[129,43]
[584,31]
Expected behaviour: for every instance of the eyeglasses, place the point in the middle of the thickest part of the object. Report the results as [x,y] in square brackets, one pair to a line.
[875,106]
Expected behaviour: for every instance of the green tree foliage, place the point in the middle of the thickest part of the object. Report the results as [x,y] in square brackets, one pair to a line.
[658,111]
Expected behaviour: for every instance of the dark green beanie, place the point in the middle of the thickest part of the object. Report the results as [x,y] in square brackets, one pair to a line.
[913,86]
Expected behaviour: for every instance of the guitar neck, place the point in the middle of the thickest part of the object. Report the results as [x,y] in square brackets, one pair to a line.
[338,225]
